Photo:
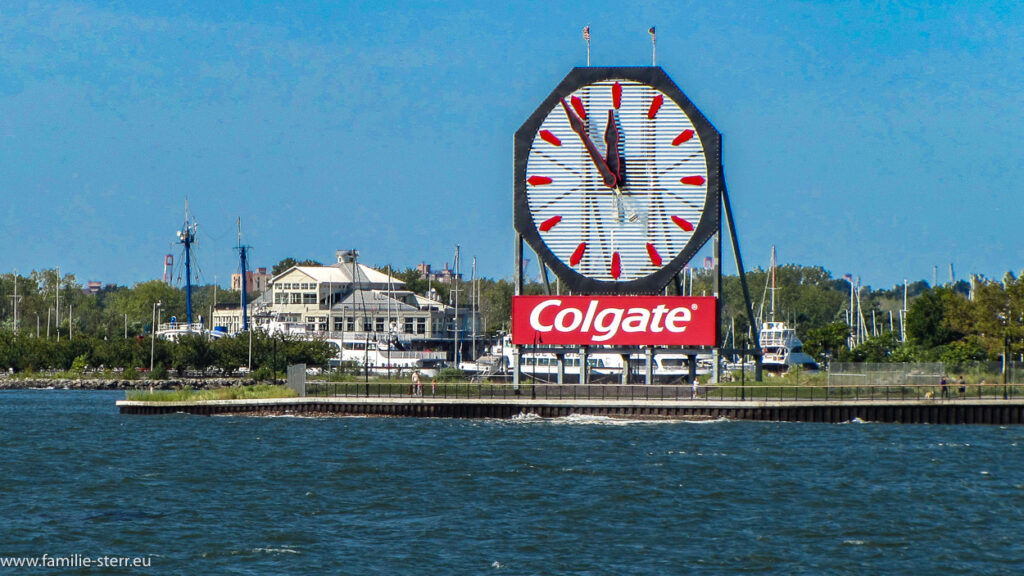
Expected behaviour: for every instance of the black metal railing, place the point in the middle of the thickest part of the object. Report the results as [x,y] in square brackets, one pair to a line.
[724,392]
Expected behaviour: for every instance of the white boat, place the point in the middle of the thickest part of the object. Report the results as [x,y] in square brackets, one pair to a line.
[384,356]
[174,330]
[669,366]
[780,347]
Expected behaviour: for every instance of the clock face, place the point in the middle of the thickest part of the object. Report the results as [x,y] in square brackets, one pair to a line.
[614,174]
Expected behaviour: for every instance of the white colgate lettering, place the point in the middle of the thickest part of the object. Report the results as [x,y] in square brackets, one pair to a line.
[607,329]
[560,324]
[535,315]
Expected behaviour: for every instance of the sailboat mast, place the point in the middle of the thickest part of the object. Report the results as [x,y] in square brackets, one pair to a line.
[187,236]
[473,288]
[771,311]
[456,290]
[242,250]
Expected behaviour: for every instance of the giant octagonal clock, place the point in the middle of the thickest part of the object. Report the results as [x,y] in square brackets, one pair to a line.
[617,180]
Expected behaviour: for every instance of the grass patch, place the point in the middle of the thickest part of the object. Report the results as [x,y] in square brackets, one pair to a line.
[256,392]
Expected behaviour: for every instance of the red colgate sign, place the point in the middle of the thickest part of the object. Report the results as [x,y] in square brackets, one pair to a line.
[614,320]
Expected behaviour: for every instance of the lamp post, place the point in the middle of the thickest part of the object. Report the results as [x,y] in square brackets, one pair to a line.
[152,336]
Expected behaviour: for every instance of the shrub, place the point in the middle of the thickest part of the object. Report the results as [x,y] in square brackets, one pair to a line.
[450,375]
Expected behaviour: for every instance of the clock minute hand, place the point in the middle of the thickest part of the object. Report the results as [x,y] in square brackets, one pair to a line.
[615,164]
[611,139]
[595,156]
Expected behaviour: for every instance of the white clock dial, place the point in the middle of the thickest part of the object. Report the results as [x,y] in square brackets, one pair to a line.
[628,230]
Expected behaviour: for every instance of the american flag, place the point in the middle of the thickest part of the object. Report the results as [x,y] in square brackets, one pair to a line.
[586,33]
[848,277]
[651,32]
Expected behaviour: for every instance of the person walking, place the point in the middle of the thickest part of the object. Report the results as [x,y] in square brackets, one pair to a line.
[945,387]
[961,387]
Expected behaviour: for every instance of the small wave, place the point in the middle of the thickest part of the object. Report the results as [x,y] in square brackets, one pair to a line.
[276,550]
[853,542]
[857,421]
[526,417]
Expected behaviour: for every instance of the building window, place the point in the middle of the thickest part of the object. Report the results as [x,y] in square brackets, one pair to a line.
[421,325]
[296,298]
[350,324]
[367,324]
[408,327]
[380,324]
[339,324]
[309,298]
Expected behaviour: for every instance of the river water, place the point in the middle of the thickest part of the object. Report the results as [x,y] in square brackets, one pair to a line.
[241,495]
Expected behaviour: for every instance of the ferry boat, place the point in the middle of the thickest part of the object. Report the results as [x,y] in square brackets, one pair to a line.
[669,366]
[384,356]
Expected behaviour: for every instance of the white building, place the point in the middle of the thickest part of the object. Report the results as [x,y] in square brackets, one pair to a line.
[347,298]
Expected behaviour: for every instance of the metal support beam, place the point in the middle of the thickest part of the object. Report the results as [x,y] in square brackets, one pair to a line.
[743,279]
[544,276]
[518,280]
[717,262]
[584,377]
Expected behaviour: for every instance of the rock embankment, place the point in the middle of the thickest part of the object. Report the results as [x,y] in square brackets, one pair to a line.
[114,384]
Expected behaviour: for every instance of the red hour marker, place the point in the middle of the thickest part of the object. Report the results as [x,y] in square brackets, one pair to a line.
[684,136]
[550,223]
[616,95]
[538,180]
[684,224]
[616,266]
[655,106]
[577,254]
[550,138]
[653,253]
[577,105]
[692,180]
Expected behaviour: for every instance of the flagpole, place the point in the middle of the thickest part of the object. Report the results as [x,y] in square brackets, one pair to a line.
[654,47]
[586,37]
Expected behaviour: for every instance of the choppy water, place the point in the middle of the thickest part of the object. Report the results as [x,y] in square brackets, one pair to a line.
[230,495]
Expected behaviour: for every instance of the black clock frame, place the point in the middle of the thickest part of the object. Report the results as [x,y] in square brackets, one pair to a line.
[710,218]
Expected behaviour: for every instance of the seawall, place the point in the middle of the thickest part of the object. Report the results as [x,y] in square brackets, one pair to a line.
[997,412]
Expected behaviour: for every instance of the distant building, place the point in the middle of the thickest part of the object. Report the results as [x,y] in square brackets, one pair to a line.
[255,281]
[445,276]
[92,287]
[347,298]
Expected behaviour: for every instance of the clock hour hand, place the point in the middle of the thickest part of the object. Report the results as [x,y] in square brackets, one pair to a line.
[595,156]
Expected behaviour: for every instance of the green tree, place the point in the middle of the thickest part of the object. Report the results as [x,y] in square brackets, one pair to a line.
[926,325]
[830,339]
[287,263]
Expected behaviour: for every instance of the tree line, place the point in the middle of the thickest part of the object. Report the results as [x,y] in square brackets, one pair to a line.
[954,323]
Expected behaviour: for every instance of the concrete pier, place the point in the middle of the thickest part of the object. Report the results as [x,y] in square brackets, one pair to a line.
[998,412]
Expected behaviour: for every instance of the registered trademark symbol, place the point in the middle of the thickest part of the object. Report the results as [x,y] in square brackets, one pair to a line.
[693,306]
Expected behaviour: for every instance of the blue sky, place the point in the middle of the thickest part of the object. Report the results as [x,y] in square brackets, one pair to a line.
[879,139]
